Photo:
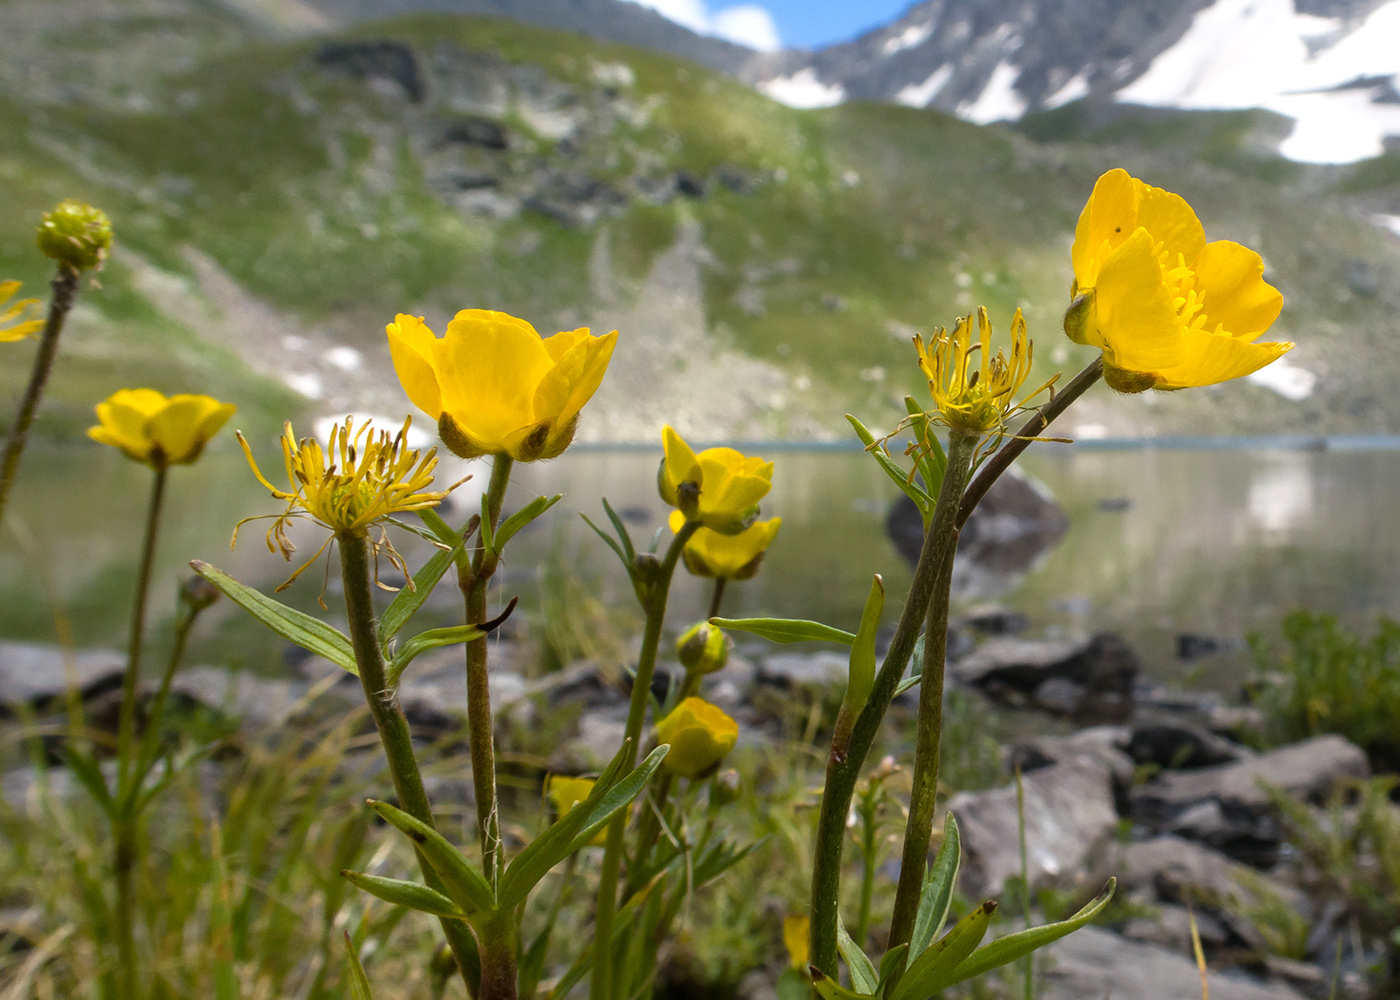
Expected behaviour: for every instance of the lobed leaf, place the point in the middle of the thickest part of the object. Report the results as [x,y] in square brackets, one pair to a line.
[359,982]
[829,989]
[900,477]
[309,633]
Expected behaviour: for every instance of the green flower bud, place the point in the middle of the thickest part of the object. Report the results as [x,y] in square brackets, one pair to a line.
[197,593]
[725,788]
[703,649]
[76,234]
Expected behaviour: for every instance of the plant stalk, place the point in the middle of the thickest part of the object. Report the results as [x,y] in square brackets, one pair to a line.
[389,720]
[65,293]
[475,579]
[716,597]
[923,795]
[655,607]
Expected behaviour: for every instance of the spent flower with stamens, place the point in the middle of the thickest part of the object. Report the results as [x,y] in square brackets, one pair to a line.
[10,330]
[359,480]
[976,394]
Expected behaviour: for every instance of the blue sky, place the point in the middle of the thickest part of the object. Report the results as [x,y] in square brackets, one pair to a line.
[770,24]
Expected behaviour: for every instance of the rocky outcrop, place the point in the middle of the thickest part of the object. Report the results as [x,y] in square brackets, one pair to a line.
[1089,680]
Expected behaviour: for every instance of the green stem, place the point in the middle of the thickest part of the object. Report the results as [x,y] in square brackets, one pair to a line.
[655,607]
[389,720]
[870,848]
[131,679]
[716,597]
[923,795]
[648,831]
[65,293]
[475,579]
[498,939]
[150,735]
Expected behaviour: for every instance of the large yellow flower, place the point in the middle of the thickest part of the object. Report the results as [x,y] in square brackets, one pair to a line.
[699,734]
[727,557]
[719,488]
[159,431]
[496,387]
[9,334]
[1168,309]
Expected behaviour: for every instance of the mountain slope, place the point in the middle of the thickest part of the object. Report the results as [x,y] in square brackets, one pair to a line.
[277,201]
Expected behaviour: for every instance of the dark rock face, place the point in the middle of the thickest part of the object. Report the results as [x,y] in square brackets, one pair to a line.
[1090,680]
[389,61]
[1173,745]
[1016,522]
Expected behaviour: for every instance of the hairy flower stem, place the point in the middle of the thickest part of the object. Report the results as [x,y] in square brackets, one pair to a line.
[389,720]
[993,468]
[65,293]
[475,579]
[125,824]
[923,794]
[654,604]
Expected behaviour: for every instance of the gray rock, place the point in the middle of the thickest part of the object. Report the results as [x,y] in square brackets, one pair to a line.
[821,669]
[1176,870]
[1170,927]
[35,674]
[1094,676]
[596,741]
[260,702]
[1070,814]
[1103,743]
[1092,964]
[1171,744]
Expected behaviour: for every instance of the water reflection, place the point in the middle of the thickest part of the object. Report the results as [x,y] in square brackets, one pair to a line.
[1210,542]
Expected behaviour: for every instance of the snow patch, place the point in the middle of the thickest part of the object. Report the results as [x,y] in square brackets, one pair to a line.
[803,89]
[1287,379]
[1075,87]
[347,359]
[306,383]
[911,37]
[1339,126]
[918,95]
[999,100]
[1391,222]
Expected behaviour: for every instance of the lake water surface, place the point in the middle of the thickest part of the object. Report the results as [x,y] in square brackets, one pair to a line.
[1213,541]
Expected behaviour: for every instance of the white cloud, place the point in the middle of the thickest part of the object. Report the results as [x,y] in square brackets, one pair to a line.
[744,24]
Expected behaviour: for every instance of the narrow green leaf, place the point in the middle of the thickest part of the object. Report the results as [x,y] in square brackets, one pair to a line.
[89,774]
[906,684]
[863,975]
[900,477]
[937,893]
[488,531]
[407,894]
[612,544]
[408,600]
[463,881]
[720,859]
[862,676]
[575,829]
[623,535]
[786,630]
[359,982]
[521,518]
[893,959]
[1022,943]
[936,968]
[441,529]
[829,989]
[624,922]
[931,464]
[309,633]
[434,638]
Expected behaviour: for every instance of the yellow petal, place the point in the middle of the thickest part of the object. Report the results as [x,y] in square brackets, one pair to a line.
[563,342]
[215,417]
[1119,205]
[575,377]
[1237,298]
[413,346]
[710,553]
[489,366]
[676,521]
[679,466]
[1170,220]
[175,429]
[1136,320]
[1212,358]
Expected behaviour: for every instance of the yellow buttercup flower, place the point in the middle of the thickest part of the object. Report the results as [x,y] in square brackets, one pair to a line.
[976,394]
[797,933]
[496,387]
[564,793]
[159,430]
[699,734]
[10,334]
[719,488]
[727,557]
[369,477]
[1169,310]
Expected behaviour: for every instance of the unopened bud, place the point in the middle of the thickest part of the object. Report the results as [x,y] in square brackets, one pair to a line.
[646,569]
[75,234]
[703,649]
[197,593]
[725,788]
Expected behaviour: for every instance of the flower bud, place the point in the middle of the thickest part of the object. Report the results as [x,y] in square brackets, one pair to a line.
[646,568]
[75,234]
[197,593]
[703,649]
[725,788]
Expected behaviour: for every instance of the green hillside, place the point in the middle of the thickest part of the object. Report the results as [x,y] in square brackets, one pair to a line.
[277,197]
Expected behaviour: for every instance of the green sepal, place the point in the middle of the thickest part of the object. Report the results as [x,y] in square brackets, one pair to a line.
[937,968]
[463,881]
[359,982]
[434,638]
[863,975]
[786,630]
[900,477]
[1005,950]
[862,676]
[311,634]
[410,895]
[937,893]
[521,518]
[408,600]
[829,989]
